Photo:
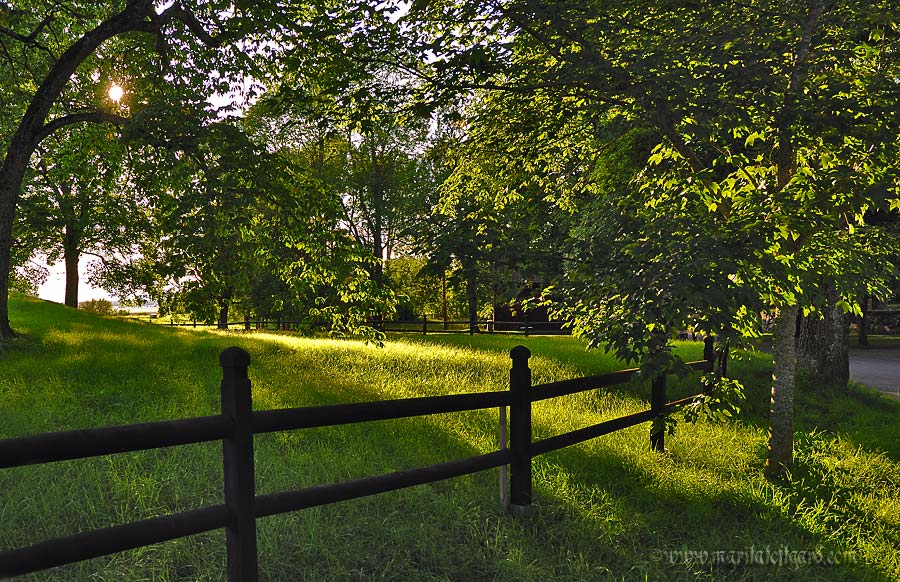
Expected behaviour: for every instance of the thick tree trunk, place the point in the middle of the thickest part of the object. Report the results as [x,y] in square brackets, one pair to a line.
[784,371]
[71,256]
[823,355]
[11,175]
[7,217]
[223,314]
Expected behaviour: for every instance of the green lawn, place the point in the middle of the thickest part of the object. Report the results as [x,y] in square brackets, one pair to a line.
[606,509]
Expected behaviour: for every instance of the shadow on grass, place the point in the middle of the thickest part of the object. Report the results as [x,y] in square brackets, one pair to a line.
[665,526]
[598,515]
[604,510]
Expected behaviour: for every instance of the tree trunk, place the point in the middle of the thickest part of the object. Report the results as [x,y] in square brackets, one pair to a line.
[823,356]
[784,371]
[71,256]
[9,195]
[223,314]
[444,297]
[471,273]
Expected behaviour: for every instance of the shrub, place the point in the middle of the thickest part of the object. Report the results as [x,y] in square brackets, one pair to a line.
[98,306]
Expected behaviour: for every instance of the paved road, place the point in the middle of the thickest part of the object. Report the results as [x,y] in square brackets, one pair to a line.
[877,368]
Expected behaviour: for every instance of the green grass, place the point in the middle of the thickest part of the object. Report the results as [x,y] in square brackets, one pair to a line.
[606,509]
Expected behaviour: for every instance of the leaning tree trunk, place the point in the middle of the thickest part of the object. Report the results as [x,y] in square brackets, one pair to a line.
[823,355]
[781,417]
[7,216]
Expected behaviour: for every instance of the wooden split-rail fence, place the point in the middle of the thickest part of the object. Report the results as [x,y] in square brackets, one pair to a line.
[237,424]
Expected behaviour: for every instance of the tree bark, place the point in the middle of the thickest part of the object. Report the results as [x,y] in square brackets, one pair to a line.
[223,314]
[9,194]
[71,255]
[823,354]
[470,270]
[781,417]
[444,297]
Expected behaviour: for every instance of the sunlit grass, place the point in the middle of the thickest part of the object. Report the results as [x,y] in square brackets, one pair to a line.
[603,510]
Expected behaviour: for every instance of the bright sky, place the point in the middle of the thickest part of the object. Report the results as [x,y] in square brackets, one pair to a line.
[55,287]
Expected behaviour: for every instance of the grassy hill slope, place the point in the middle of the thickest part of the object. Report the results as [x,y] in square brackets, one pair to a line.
[606,509]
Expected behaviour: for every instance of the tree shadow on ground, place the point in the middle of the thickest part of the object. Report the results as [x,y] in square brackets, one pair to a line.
[604,510]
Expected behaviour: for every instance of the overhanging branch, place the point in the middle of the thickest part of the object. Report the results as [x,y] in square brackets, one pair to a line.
[191,22]
[83,117]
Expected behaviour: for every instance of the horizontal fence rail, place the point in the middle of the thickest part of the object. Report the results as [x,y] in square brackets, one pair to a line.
[319,416]
[583,434]
[109,540]
[93,442]
[238,423]
[275,503]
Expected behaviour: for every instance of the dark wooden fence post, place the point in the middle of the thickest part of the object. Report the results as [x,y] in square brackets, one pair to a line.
[520,430]
[247,321]
[658,406]
[237,457]
[424,324]
[526,323]
[503,438]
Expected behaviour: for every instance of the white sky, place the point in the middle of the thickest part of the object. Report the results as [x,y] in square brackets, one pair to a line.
[55,287]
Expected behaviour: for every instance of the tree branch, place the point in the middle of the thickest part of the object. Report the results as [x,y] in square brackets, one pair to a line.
[784,153]
[27,40]
[42,165]
[191,22]
[87,116]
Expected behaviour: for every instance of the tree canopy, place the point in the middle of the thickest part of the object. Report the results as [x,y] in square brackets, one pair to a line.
[770,129]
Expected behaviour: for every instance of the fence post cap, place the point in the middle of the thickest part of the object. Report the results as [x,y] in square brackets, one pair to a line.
[234,357]
[519,353]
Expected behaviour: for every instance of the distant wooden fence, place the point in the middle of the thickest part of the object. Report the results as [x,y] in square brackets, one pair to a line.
[238,423]
[423,326]
[426,326]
